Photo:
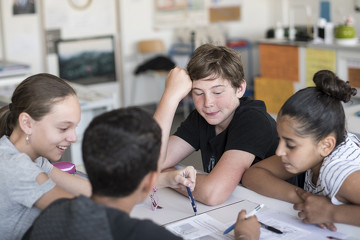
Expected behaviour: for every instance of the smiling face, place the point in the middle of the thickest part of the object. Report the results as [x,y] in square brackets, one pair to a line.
[298,153]
[55,132]
[216,100]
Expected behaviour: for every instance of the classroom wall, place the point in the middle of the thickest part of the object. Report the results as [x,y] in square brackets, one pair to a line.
[97,20]
[251,27]
[24,41]
[22,37]
[137,24]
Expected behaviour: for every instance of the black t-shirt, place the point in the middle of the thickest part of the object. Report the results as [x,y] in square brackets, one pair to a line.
[81,218]
[251,130]
[135,229]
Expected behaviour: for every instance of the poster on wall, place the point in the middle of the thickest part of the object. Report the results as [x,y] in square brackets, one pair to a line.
[274,97]
[97,18]
[225,10]
[192,13]
[179,13]
[23,7]
[318,59]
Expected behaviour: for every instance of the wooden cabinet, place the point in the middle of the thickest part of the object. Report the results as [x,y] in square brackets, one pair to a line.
[279,73]
[286,67]
[279,62]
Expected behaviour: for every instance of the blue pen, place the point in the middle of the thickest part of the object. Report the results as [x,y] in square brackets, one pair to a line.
[192,201]
[258,207]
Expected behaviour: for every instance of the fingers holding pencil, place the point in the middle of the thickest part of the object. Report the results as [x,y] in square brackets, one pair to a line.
[178,178]
[190,175]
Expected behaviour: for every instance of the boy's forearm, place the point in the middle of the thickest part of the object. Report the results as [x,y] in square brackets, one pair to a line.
[164,178]
[164,116]
[208,193]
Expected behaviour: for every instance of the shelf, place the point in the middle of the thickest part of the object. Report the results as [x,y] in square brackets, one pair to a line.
[12,80]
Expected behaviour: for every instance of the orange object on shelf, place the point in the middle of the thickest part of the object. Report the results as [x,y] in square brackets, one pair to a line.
[279,62]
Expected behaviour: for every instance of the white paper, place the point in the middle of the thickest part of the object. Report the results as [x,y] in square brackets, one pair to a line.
[293,228]
[176,206]
[200,227]
[205,226]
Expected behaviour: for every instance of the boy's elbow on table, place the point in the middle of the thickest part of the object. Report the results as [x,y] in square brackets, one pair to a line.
[212,196]
[214,200]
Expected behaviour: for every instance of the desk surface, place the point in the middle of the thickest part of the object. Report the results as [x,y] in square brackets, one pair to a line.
[177,207]
[352,119]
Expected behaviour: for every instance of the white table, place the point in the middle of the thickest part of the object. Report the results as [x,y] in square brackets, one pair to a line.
[288,208]
[177,207]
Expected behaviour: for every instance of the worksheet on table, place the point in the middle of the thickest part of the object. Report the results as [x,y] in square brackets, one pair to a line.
[293,228]
[200,227]
[212,224]
[208,226]
[175,207]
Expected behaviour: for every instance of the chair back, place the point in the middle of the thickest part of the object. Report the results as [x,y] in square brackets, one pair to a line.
[151,46]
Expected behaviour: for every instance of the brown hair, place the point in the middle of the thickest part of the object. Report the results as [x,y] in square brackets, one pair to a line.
[35,96]
[216,61]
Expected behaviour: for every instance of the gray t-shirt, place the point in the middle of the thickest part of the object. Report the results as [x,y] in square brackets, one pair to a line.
[19,189]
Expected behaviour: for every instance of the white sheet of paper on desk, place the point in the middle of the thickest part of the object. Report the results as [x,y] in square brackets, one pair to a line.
[200,227]
[293,228]
[204,226]
[176,206]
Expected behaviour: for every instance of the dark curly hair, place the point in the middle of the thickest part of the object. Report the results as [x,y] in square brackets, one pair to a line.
[119,148]
[318,110]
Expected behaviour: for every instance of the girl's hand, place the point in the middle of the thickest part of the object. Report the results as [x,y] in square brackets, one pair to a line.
[315,209]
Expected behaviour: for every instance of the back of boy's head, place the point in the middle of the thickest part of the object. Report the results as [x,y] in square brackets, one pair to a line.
[318,110]
[119,148]
[216,61]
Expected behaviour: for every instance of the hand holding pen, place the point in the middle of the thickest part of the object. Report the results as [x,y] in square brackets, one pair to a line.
[248,228]
[189,177]
[192,201]
[174,178]
[250,214]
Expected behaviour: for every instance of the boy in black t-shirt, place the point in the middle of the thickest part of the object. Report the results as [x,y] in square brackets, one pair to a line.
[232,131]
